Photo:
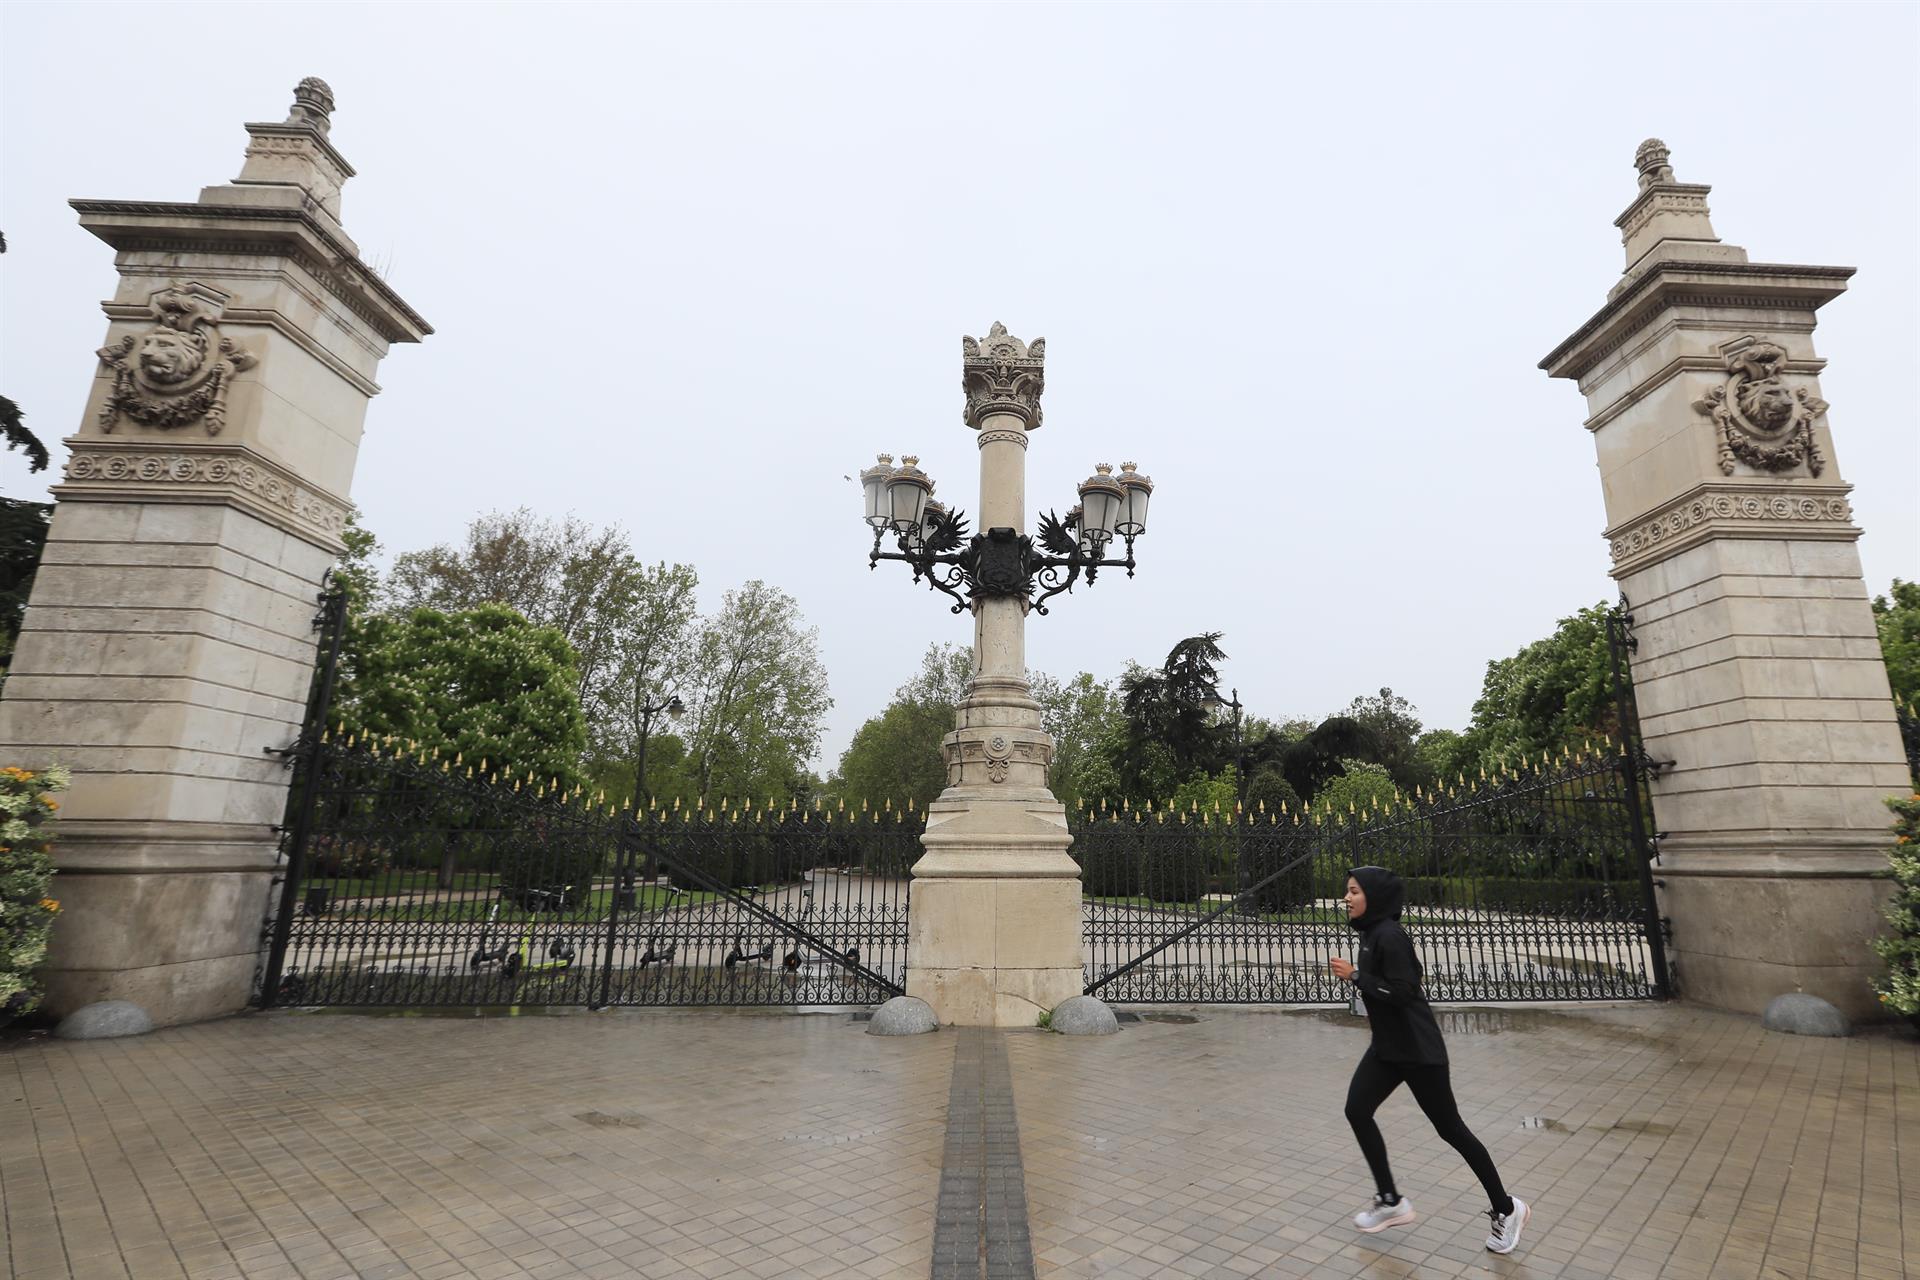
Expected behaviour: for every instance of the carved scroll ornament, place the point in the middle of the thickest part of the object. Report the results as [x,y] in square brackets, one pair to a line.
[178,371]
[1760,419]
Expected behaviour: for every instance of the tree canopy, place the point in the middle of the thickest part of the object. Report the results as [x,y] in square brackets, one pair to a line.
[483,683]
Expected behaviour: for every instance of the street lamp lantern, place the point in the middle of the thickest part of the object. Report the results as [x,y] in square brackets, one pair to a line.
[1133,518]
[930,521]
[873,491]
[908,490]
[1102,501]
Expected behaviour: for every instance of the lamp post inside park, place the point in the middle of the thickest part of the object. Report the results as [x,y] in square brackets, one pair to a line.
[994,935]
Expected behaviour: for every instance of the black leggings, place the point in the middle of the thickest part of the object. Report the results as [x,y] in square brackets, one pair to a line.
[1373,1080]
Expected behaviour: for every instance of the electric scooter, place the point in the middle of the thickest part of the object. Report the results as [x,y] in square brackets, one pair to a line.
[517,957]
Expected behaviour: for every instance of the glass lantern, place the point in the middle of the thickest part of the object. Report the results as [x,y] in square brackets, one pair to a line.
[908,490]
[873,491]
[1133,516]
[1101,502]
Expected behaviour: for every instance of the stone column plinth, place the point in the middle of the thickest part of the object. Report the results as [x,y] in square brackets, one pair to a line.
[995,935]
[168,644]
[1758,670]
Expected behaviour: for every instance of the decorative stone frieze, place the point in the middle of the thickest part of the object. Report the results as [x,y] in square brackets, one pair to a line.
[102,472]
[1733,511]
[1002,375]
[1760,419]
[177,372]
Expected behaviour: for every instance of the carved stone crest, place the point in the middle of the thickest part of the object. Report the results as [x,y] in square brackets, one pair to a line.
[999,752]
[176,372]
[1002,374]
[1760,419]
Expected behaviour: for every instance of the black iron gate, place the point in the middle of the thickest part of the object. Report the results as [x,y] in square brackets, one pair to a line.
[414,879]
[1533,882]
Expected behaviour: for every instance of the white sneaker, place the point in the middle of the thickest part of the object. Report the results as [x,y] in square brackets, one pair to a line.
[1384,1215]
[1507,1226]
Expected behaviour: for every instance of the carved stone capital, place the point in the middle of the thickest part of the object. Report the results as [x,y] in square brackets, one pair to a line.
[1002,375]
[131,471]
[1754,509]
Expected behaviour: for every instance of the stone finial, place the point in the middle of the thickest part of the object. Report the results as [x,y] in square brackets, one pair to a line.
[1002,375]
[1650,158]
[312,105]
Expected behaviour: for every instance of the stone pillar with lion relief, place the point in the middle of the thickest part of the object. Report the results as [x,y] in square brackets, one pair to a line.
[168,644]
[1758,670]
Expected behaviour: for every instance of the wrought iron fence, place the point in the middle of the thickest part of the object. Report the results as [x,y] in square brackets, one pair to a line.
[1525,885]
[418,881]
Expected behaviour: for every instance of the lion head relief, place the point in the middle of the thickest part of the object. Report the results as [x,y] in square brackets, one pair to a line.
[177,371]
[169,357]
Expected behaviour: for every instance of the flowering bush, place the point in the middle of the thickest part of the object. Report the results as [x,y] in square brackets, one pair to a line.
[27,907]
[1901,989]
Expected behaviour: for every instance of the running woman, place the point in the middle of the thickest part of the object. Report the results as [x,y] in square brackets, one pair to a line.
[1406,1049]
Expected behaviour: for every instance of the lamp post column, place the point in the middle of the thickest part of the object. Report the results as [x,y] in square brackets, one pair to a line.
[995,933]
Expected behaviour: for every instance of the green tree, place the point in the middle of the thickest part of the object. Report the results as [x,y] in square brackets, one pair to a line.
[1172,712]
[896,754]
[1900,948]
[482,683]
[13,427]
[758,693]
[23,534]
[1897,615]
[1362,785]
[1079,713]
[1553,693]
[565,574]
[1393,725]
[354,572]
[652,650]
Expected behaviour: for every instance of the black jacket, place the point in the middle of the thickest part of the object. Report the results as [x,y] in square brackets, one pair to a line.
[1387,973]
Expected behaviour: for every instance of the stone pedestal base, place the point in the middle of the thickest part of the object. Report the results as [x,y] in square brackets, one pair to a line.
[1749,927]
[994,935]
[169,924]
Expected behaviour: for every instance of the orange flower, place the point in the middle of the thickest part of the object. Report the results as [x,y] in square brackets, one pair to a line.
[50,904]
[53,806]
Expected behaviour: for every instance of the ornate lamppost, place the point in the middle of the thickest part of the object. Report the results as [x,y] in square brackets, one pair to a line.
[994,936]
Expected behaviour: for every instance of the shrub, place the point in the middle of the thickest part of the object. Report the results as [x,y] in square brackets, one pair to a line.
[1900,990]
[27,907]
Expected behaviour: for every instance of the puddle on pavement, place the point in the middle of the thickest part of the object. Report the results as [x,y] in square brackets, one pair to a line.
[615,1120]
[1174,1019]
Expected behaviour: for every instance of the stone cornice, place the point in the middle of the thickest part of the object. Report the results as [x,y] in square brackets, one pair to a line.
[1682,283]
[180,227]
[1733,509]
[189,471]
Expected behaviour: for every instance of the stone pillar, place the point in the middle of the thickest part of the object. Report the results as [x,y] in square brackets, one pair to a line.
[995,930]
[1758,671]
[168,644]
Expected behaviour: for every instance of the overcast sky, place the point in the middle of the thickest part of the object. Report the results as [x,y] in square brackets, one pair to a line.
[691,266]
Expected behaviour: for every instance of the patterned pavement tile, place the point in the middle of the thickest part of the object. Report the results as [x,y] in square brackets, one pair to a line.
[1661,1142]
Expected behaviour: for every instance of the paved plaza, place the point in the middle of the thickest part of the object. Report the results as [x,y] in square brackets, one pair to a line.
[1654,1141]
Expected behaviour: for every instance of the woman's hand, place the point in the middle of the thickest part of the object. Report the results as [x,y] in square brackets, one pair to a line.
[1342,969]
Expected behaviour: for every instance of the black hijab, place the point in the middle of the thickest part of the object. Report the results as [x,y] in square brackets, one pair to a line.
[1385,895]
